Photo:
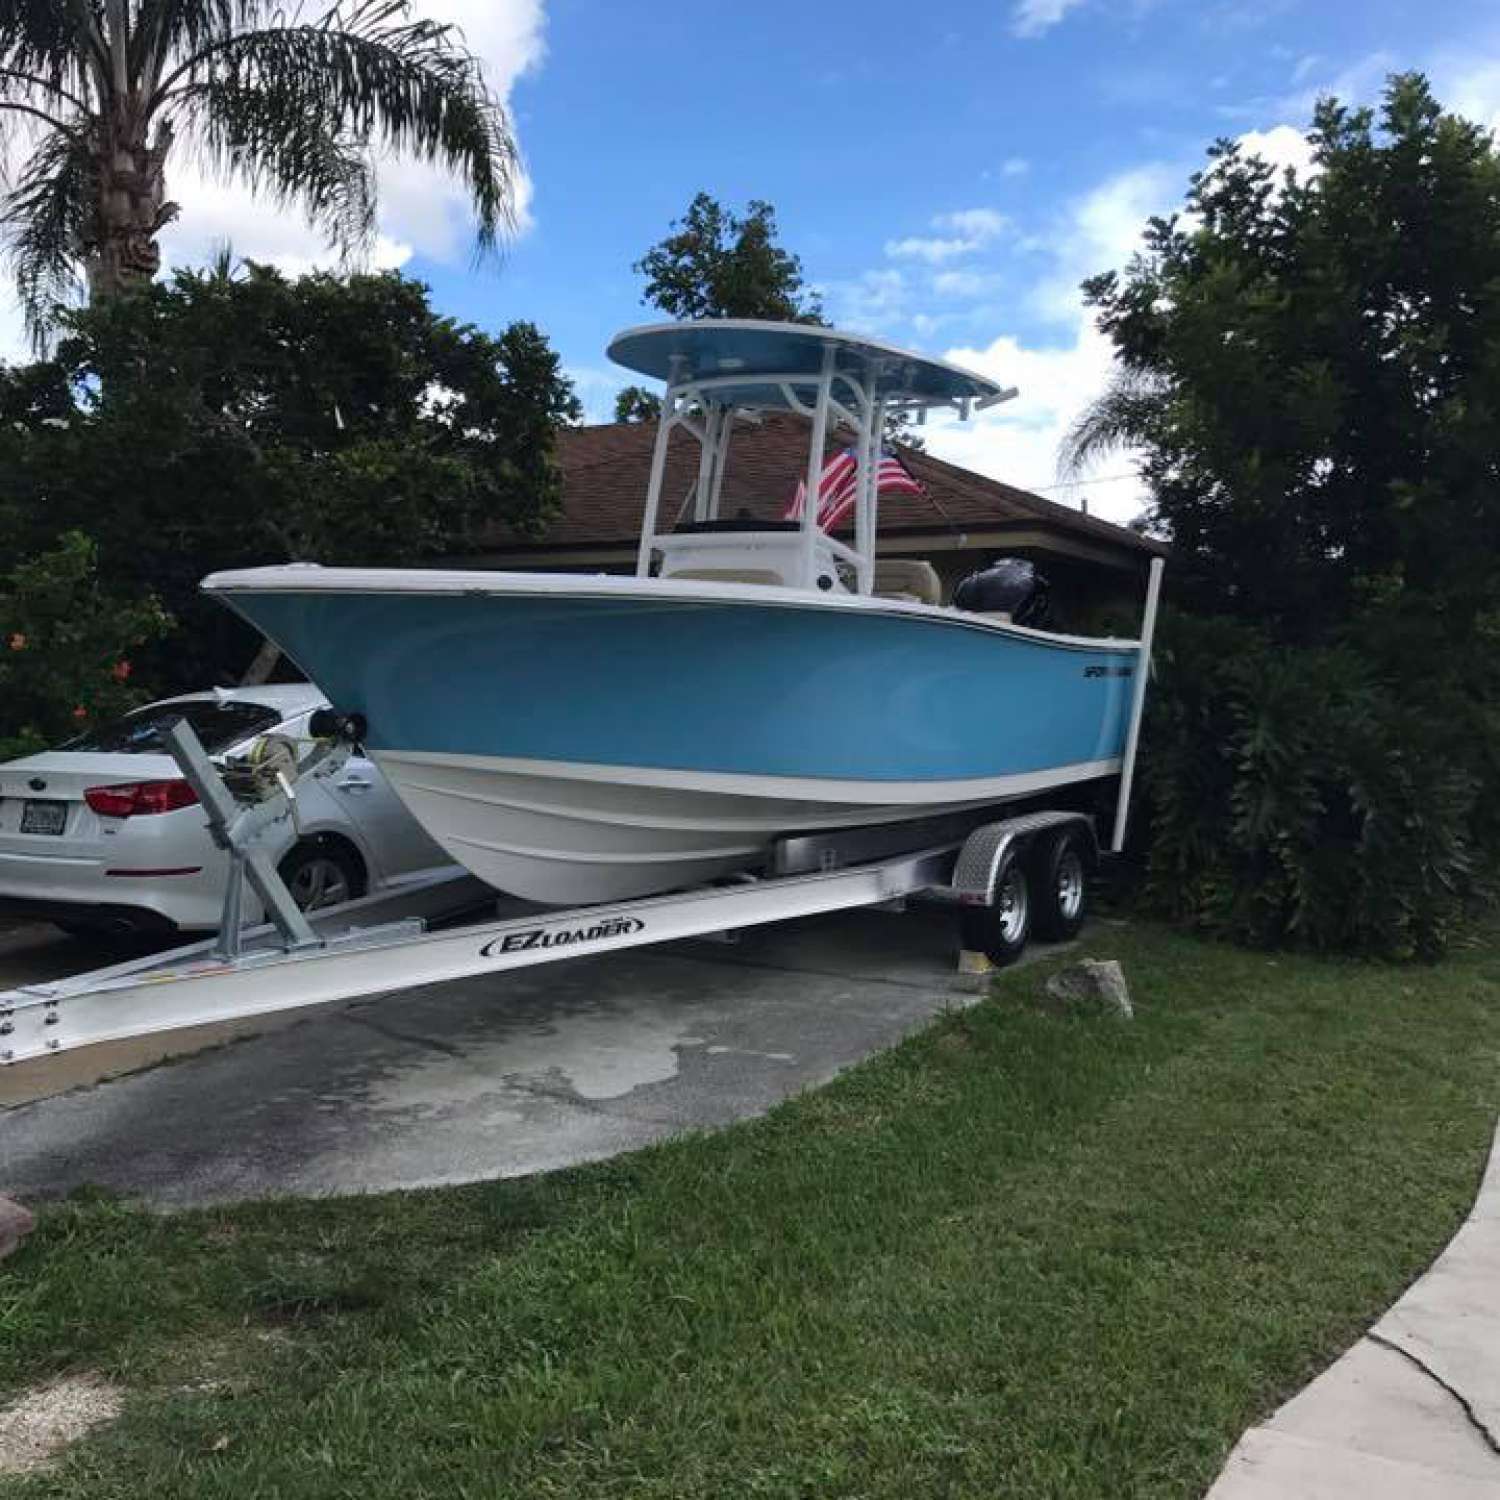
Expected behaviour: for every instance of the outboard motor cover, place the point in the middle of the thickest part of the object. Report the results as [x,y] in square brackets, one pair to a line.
[1010,585]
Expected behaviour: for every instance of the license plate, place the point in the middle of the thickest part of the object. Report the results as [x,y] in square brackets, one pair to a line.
[44,817]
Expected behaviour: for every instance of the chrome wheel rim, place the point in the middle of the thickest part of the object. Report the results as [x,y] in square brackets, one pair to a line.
[320,882]
[1070,885]
[1010,906]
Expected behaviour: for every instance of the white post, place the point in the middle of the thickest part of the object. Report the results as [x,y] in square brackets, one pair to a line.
[707,453]
[653,489]
[1137,704]
[721,459]
[815,469]
[869,492]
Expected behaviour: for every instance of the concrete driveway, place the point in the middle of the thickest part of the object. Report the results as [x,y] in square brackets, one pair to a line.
[490,1077]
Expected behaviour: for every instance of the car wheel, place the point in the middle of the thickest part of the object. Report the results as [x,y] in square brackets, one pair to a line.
[1059,876]
[322,874]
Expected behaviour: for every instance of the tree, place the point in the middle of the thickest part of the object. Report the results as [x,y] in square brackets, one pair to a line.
[295,108]
[66,646]
[636,404]
[718,265]
[221,421]
[1312,370]
[1310,367]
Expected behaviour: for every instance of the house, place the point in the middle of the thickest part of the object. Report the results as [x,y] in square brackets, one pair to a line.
[961,523]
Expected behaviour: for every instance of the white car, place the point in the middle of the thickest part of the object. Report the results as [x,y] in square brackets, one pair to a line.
[104,835]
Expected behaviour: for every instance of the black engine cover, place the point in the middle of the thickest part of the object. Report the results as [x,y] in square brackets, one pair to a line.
[1009,584]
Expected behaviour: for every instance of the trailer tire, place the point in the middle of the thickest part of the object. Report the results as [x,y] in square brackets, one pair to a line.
[1059,868]
[1000,929]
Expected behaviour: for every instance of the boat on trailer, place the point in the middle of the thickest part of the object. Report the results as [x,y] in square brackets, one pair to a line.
[748,705]
[573,739]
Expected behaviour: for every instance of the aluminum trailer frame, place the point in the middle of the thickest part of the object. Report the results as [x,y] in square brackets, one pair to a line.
[195,986]
[198,985]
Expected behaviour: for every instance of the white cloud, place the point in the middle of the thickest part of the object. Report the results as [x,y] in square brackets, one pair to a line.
[1019,441]
[15,348]
[1033,17]
[870,303]
[1012,166]
[977,223]
[1305,65]
[1466,82]
[926,325]
[1103,229]
[933,251]
[597,388]
[966,283]
[1281,146]
[962,233]
[422,209]
[1358,83]
[218,213]
[1472,89]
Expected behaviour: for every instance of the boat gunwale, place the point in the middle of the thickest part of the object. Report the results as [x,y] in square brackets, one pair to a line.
[304,578]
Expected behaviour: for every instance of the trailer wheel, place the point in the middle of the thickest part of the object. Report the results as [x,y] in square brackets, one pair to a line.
[1059,884]
[1000,930]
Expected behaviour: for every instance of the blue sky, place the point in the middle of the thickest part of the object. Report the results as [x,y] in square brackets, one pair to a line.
[947,172]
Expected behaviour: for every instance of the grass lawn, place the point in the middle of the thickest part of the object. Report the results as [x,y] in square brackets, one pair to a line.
[1021,1255]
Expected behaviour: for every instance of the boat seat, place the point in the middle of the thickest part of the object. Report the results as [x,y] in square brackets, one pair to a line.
[728,575]
[907,578]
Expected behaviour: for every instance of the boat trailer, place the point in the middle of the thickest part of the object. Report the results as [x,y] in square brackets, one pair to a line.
[427,932]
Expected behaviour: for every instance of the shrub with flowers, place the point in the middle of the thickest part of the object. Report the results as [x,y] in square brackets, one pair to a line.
[65,647]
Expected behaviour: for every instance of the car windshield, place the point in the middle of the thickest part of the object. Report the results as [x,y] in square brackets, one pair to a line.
[218,725]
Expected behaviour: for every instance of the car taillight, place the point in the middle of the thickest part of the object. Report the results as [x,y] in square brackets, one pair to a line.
[132,799]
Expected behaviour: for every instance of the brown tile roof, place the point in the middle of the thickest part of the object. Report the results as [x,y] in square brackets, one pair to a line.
[606,468]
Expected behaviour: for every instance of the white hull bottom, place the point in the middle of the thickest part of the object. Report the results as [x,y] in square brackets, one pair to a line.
[565,834]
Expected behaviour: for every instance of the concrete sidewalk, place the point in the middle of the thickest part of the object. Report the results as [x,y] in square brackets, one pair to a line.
[1413,1409]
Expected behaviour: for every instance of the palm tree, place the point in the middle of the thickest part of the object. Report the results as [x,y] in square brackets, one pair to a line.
[96,94]
[1120,416]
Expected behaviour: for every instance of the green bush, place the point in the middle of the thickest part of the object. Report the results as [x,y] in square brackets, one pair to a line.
[213,421]
[1316,796]
[65,647]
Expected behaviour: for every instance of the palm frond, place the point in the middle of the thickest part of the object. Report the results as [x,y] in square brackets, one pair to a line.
[55,42]
[165,29]
[293,156]
[42,221]
[1119,417]
[370,73]
[27,88]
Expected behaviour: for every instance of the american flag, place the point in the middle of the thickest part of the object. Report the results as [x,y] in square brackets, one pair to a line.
[838,487]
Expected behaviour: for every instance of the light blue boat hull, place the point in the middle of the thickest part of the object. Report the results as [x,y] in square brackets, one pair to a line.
[573,747]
